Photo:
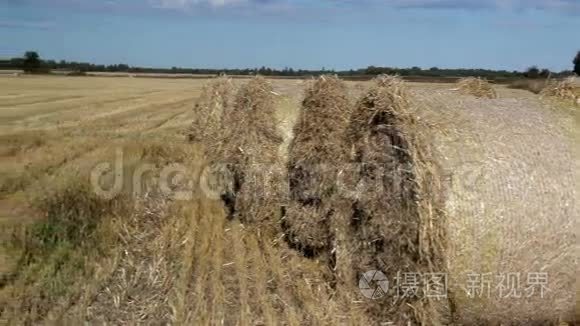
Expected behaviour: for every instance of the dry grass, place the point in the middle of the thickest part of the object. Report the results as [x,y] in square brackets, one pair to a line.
[477,87]
[57,252]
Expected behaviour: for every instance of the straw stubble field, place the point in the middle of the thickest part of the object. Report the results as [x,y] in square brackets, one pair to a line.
[69,255]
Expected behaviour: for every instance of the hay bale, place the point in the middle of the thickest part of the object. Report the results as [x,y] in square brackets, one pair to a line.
[317,142]
[471,188]
[253,135]
[563,89]
[214,101]
[209,128]
[314,156]
[307,228]
[477,87]
[260,196]
[510,207]
[390,218]
[251,152]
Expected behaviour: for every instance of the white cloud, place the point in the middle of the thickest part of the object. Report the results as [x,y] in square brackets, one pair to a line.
[26,24]
[187,4]
[561,5]
[302,6]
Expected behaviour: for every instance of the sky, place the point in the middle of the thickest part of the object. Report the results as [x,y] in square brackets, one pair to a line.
[308,34]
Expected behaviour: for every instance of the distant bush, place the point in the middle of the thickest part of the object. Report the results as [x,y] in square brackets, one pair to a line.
[535,73]
[77,73]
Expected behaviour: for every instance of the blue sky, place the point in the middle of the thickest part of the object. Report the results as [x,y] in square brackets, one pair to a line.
[335,34]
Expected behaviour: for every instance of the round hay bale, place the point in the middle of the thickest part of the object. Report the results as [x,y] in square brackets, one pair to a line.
[477,87]
[214,100]
[480,192]
[315,153]
[510,207]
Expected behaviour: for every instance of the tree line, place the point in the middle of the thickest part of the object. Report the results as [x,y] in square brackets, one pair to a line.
[32,63]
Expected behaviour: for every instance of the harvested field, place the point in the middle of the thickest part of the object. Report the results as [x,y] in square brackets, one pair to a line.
[147,255]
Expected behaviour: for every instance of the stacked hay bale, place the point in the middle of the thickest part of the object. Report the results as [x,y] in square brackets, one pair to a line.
[463,195]
[314,155]
[564,89]
[252,125]
[215,100]
[209,128]
[251,154]
[477,87]
[395,225]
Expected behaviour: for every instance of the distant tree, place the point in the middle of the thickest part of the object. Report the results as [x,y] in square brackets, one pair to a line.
[532,72]
[545,73]
[577,64]
[123,67]
[32,63]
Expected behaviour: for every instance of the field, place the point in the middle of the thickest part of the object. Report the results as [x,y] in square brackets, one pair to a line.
[70,256]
